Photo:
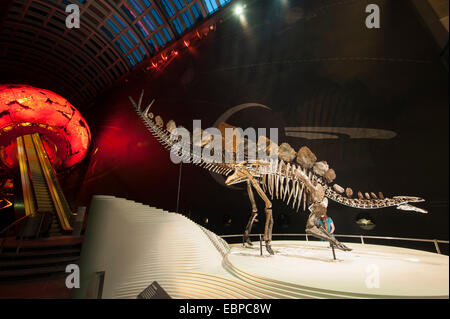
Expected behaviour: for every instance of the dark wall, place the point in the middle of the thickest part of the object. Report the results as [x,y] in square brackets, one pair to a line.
[314,63]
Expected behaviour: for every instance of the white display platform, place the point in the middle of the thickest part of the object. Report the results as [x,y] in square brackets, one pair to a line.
[134,245]
[372,271]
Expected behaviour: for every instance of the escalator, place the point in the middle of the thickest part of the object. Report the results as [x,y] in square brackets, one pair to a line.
[46,208]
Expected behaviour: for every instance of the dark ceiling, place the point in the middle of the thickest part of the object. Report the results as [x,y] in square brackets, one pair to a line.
[37,48]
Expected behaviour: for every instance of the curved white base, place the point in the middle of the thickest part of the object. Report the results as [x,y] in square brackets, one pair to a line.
[368,271]
[135,245]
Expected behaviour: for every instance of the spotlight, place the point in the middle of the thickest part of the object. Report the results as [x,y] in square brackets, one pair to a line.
[239,9]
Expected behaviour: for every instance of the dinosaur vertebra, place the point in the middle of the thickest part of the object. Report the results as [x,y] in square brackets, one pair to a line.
[301,185]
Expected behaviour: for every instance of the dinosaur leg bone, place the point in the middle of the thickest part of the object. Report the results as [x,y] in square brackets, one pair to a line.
[268,210]
[268,230]
[248,229]
[313,227]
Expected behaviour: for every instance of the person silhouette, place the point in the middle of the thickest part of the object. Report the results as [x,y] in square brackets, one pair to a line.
[327,224]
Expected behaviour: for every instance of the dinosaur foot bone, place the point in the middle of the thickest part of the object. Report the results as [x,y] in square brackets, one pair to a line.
[318,233]
[247,241]
[269,248]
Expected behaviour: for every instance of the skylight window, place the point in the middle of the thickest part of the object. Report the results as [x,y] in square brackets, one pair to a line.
[211,5]
[133,38]
[152,24]
[142,28]
[196,12]
[119,21]
[130,59]
[187,19]
[179,4]
[137,6]
[152,44]
[156,16]
[148,21]
[113,26]
[121,47]
[168,7]
[126,41]
[128,12]
[160,39]
[178,26]
[107,32]
[137,56]
[167,34]
[142,51]
[68,2]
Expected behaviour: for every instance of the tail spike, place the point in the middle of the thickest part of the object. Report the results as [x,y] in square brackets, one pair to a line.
[133,103]
[148,108]
[140,100]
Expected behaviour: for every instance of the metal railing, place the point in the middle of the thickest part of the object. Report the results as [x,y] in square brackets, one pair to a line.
[436,242]
[5,231]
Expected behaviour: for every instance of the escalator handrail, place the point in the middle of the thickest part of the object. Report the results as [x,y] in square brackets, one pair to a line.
[17,221]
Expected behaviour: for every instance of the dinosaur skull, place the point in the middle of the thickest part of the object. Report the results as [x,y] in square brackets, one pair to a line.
[410,199]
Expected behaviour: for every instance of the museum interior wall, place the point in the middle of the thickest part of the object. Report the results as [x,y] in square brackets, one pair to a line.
[305,85]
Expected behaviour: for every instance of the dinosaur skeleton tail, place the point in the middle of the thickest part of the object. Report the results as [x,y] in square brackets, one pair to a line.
[400,202]
[169,140]
[161,134]
[282,181]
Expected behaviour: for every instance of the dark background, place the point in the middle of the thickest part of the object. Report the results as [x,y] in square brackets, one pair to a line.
[314,63]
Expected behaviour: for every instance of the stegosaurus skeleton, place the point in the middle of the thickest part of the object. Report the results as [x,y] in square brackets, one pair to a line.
[285,181]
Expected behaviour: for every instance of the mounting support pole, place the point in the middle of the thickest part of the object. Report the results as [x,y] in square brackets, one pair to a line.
[260,245]
[332,249]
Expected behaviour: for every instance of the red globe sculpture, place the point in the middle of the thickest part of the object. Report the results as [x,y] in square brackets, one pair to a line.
[26,110]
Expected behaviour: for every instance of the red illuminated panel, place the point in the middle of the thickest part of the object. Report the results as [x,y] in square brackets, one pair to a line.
[26,110]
